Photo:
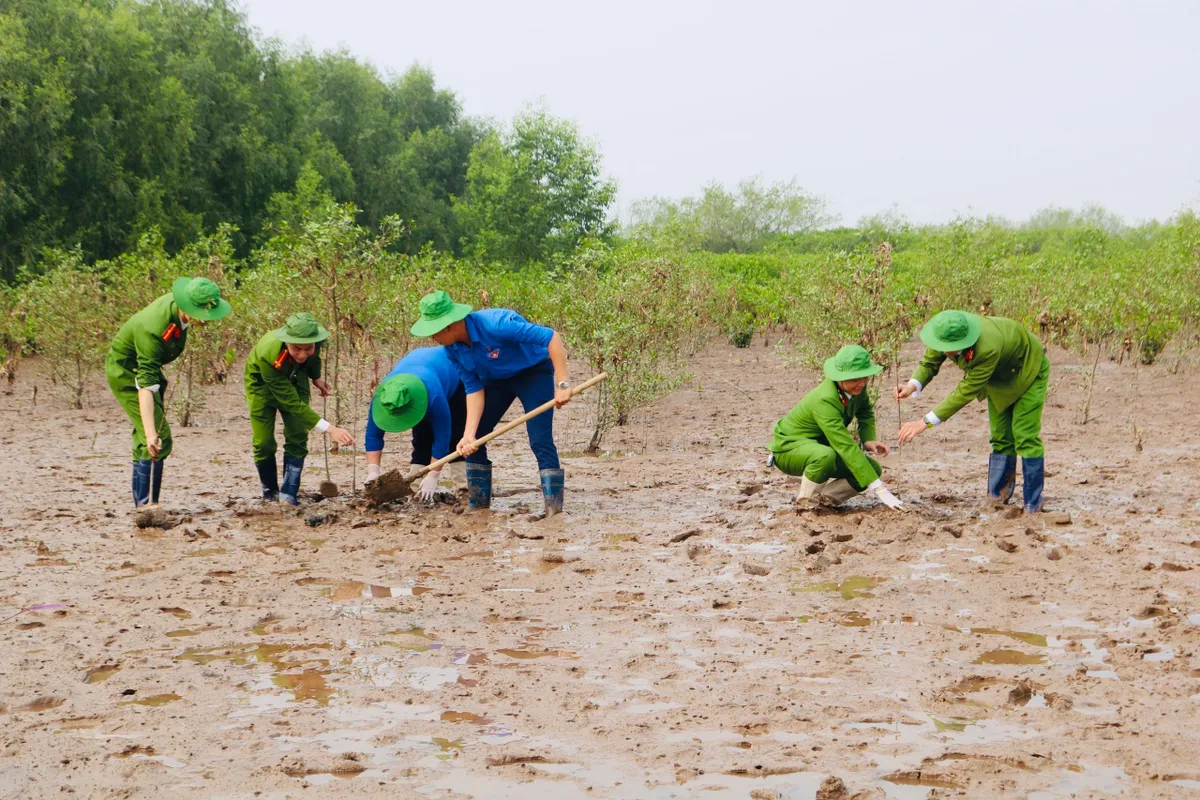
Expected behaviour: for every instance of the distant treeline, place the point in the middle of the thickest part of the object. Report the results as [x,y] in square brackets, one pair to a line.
[123,117]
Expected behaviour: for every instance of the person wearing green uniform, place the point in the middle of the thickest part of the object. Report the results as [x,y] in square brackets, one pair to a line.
[278,372]
[150,339]
[814,440]
[1004,362]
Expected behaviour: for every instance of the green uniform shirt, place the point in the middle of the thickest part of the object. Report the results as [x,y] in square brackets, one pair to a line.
[1004,363]
[145,343]
[823,417]
[284,386]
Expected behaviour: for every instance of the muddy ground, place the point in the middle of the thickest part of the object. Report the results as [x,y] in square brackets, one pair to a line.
[682,632]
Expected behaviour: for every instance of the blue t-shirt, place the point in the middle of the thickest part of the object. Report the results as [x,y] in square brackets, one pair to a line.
[502,344]
[433,367]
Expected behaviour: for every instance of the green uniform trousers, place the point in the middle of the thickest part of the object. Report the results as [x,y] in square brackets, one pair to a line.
[1017,430]
[123,388]
[262,427]
[819,463]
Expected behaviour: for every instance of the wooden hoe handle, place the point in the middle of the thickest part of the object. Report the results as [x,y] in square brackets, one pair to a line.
[516,423]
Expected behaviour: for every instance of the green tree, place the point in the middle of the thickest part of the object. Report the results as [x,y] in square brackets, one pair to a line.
[34,107]
[533,191]
[722,221]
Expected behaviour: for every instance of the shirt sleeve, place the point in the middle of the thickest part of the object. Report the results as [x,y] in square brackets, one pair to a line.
[866,421]
[374,435]
[514,328]
[149,360]
[930,364]
[287,399]
[312,366]
[439,418]
[471,382]
[974,382]
[839,438]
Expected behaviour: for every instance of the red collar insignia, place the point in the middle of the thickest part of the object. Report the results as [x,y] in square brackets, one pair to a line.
[284,357]
[172,332]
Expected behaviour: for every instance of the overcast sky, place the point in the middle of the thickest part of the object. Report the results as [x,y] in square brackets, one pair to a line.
[941,107]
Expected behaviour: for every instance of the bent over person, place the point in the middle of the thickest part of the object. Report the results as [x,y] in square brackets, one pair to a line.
[150,339]
[421,393]
[501,358]
[278,372]
[814,440]
[1006,363]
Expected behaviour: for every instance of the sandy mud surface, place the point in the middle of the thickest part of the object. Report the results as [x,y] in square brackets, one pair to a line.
[681,633]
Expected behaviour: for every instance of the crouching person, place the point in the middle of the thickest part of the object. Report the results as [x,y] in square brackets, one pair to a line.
[814,441]
[278,372]
[422,393]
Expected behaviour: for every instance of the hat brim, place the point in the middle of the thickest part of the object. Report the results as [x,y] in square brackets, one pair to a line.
[282,335]
[428,327]
[935,342]
[191,309]
[406,419]
[834,374]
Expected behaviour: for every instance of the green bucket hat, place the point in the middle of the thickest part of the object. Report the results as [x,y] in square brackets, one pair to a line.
[437,312]
[951,330]
[199,298]
[850,363]
[399,403]
[301,328]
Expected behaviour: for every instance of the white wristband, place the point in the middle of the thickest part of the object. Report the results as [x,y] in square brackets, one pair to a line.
[322,426]
[932,419]
[917,387]
[875,484]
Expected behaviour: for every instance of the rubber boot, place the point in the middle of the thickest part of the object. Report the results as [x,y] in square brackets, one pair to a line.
[1002,477]
[810,491]
[1033,472]
[552,490]
[836,492]
[156,469]
[289,492]
[141,483]
[268,476]
[479,485]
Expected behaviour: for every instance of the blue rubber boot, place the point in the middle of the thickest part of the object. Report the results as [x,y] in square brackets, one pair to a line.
[1002,477]
[268,476]
[1033,472]
[156,468]
[479,485]
[552,490]
[141,483]
[289,492]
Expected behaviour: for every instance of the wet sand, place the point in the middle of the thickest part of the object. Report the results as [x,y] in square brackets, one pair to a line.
[681,632]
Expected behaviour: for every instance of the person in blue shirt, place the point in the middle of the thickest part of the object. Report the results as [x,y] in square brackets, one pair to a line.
[500,358]
[422,393]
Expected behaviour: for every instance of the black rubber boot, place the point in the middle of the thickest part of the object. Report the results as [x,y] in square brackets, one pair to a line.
[268,476]
[552,490]
[479,485]
[1033,476]
[156,470]
[141,482]
[289,492]
[1002,477]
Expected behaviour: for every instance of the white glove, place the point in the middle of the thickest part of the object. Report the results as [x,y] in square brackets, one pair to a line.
[373,471]
[887,498]
[428,486]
